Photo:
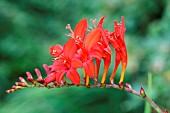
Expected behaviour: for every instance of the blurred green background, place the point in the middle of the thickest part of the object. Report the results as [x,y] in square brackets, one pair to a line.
[29,27]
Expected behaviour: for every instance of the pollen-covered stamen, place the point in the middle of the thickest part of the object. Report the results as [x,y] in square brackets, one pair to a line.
[67,64]
[53,59]
[88,31]
[94,22]
[70,29]
[90,28]
[54,51]
[78,38]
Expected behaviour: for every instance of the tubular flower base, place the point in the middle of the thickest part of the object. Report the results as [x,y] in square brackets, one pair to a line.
[82,48]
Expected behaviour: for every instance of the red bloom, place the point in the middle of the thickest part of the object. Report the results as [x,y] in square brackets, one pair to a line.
[86,54]
[79,52]
[56,50]
[82,48]
[117,41]
[66,64]
[105,50]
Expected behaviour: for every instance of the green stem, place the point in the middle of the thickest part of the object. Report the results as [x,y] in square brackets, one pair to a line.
[128,89]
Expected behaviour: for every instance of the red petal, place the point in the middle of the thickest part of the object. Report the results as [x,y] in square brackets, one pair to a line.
[102,30]
[89,68]
[94,53]
[50,78]
[56,50]
[97,67]
[70,48]
[59,76]
[114,43]
[104,37]
[117,62]
[73,76]
[108,50]
[92,39]
[120,29]
[76,63]
[80,29]
[101,21]
[58,66]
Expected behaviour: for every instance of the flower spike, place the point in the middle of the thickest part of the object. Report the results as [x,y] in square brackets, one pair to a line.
[80,51]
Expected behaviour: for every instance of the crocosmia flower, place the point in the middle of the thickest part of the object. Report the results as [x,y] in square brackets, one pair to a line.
[66,64]
[117,41]
[86,47]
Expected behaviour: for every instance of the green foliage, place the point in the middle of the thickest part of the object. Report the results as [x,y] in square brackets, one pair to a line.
[29,27]
[149,94]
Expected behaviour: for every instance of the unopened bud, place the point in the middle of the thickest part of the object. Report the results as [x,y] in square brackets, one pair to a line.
[46,68]
[128,86]
[40,80]
[38,73]
[142,92]
[21,84]
[10,91]
[29,77]
[165,111]
[22,79]
[16,87]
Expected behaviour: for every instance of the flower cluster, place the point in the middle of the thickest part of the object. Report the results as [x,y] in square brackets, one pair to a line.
[85,49]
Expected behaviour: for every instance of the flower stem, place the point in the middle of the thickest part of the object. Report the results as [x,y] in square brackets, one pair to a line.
[129,90]
[132,91]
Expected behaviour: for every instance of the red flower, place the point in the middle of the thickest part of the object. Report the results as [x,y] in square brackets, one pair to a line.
[82,48]
[105,51]
[87,54]
[117,41]
[79,52]
[56,50]
[66,64]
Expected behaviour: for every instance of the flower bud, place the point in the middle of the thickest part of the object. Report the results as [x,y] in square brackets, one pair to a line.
[22,79]
[21,84]
[40,80]
[16,87]
[46,68]
[142,92]
[165,111]
[128,86]
[29,77]
[38,73]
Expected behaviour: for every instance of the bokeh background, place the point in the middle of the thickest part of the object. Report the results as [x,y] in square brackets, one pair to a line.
[29,27]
